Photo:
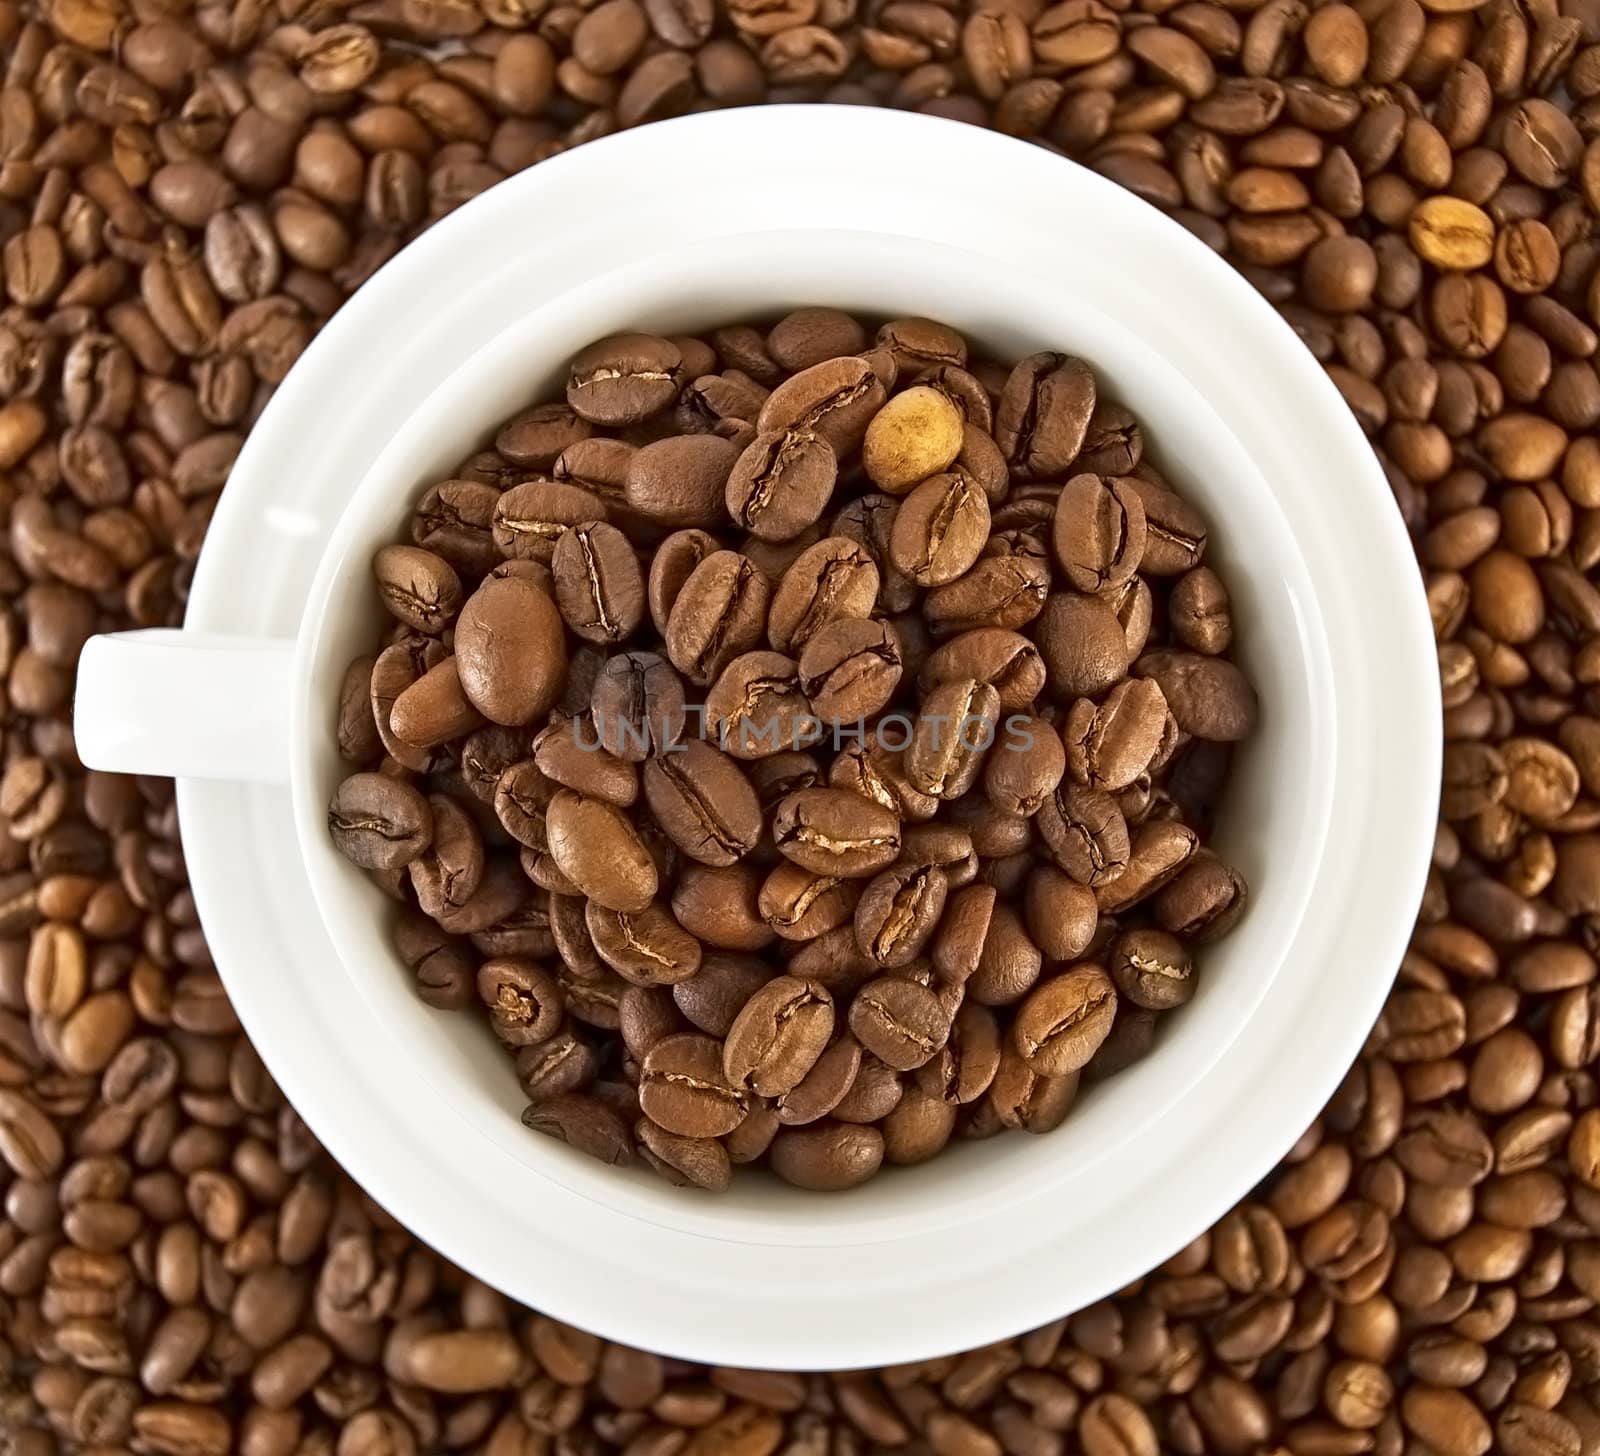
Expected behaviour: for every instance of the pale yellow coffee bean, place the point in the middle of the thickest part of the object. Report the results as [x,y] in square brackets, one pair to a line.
[915,435]
[1451,233]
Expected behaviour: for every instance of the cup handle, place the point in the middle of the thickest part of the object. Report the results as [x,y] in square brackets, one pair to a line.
[194,705]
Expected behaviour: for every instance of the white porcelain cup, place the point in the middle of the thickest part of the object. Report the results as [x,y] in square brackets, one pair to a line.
[1329,813]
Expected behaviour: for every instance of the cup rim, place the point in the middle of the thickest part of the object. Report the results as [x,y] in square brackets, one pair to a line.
[345,1110]
[341,578]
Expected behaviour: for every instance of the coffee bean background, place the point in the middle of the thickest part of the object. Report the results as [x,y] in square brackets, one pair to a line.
[187,191]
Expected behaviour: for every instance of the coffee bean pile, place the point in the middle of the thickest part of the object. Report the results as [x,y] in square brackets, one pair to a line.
[186,193]
[720,945]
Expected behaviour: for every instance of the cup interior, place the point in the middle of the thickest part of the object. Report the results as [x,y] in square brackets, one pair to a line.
[1273,825]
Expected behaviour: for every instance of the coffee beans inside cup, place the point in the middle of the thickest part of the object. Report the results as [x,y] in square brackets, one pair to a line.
[802,743]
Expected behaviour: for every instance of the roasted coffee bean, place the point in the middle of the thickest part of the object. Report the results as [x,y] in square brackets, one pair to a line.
[638,706]
[901,1023]
[712,999]
[827,1155]
[434,710]
[583,1122]
[1086,833]
[778,1035]
[757,707]
[835,832]
[455,521]
[624,379]
[682,480]
[800,904]
[378,822]
[524,1001]
[532,516]
[1152,969]
[1006,661]
[897,913]
[1003,591]
[598,582]
[1083,646]
[1024,1098]
[599,850]
[1099,532]
[834,400]
[703,802]
[1024,767]
[647,947]
[850,668]
[511,652]
[940,529]
[835,578]
[448,872]
[419,588]
[1064,1020]
[682,1088]
[1109,744]
[781,483]
[823,1087]
[1043,414]
[1175,533]
[1207,696]
[1201,615]
[957,726]
[719,612]
[567,754]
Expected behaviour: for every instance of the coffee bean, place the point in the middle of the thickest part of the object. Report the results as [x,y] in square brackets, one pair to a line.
[713,999]
[1152,969]
[1064,1020]
[850,668]
[681,481]
[720,611]
[800,904]
[1082,644]
[524,1001]
[1043,414]
[685,1162]
[510,651]
[915,436]
[532,516]
[781,483]
[827,1155]
[1026,1099]
[584,1123]
[455,520]
[419,588]
[833,579]
[446,875]
[900,1022]
[940,529]
[599,585]
[434,709]
[626,378]
[835,832]
[647,947]
[778,1036]
[1207,696]
[600,851]
[897,913]
[1098,532]
[757,707]
[1086,834]
[703,802]
[378,822]
[682,1088]
[835,400]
